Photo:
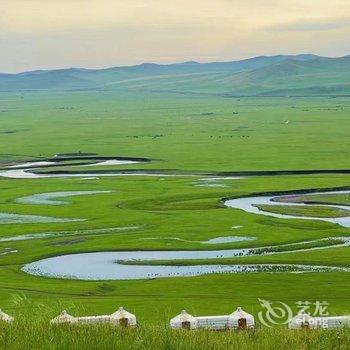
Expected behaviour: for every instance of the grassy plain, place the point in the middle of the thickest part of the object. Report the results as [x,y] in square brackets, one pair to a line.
[178,132]
[158,337]
[314,211]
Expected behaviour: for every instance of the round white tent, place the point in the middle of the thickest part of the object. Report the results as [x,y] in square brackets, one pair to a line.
[123,318]
[184,320]
[5,317]
[64,317]
[240,319]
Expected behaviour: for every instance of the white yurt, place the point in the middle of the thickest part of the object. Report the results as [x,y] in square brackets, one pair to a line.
[240,319]
[302,320]
[123,318]
[63,317]
[5,317]
[184,321]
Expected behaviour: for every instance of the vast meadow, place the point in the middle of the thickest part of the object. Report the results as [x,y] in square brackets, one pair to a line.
[201,150]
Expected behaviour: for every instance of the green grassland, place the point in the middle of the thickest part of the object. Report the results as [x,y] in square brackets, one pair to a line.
[340,199]
[158,337]
[314,211]
[176,130]
[180,133]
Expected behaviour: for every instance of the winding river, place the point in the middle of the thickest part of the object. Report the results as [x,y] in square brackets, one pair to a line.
[129,265]
[133,264]
[116,265]
[29,170]
[249,205]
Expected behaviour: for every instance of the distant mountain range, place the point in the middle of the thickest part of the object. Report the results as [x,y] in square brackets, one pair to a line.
[281,75]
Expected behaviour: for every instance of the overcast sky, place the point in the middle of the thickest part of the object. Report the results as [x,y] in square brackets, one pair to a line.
[45,34]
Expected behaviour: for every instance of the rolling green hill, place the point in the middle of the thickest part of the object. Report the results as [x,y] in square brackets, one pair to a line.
[272,76]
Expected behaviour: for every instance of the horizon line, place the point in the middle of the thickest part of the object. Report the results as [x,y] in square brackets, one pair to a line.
[167,64]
